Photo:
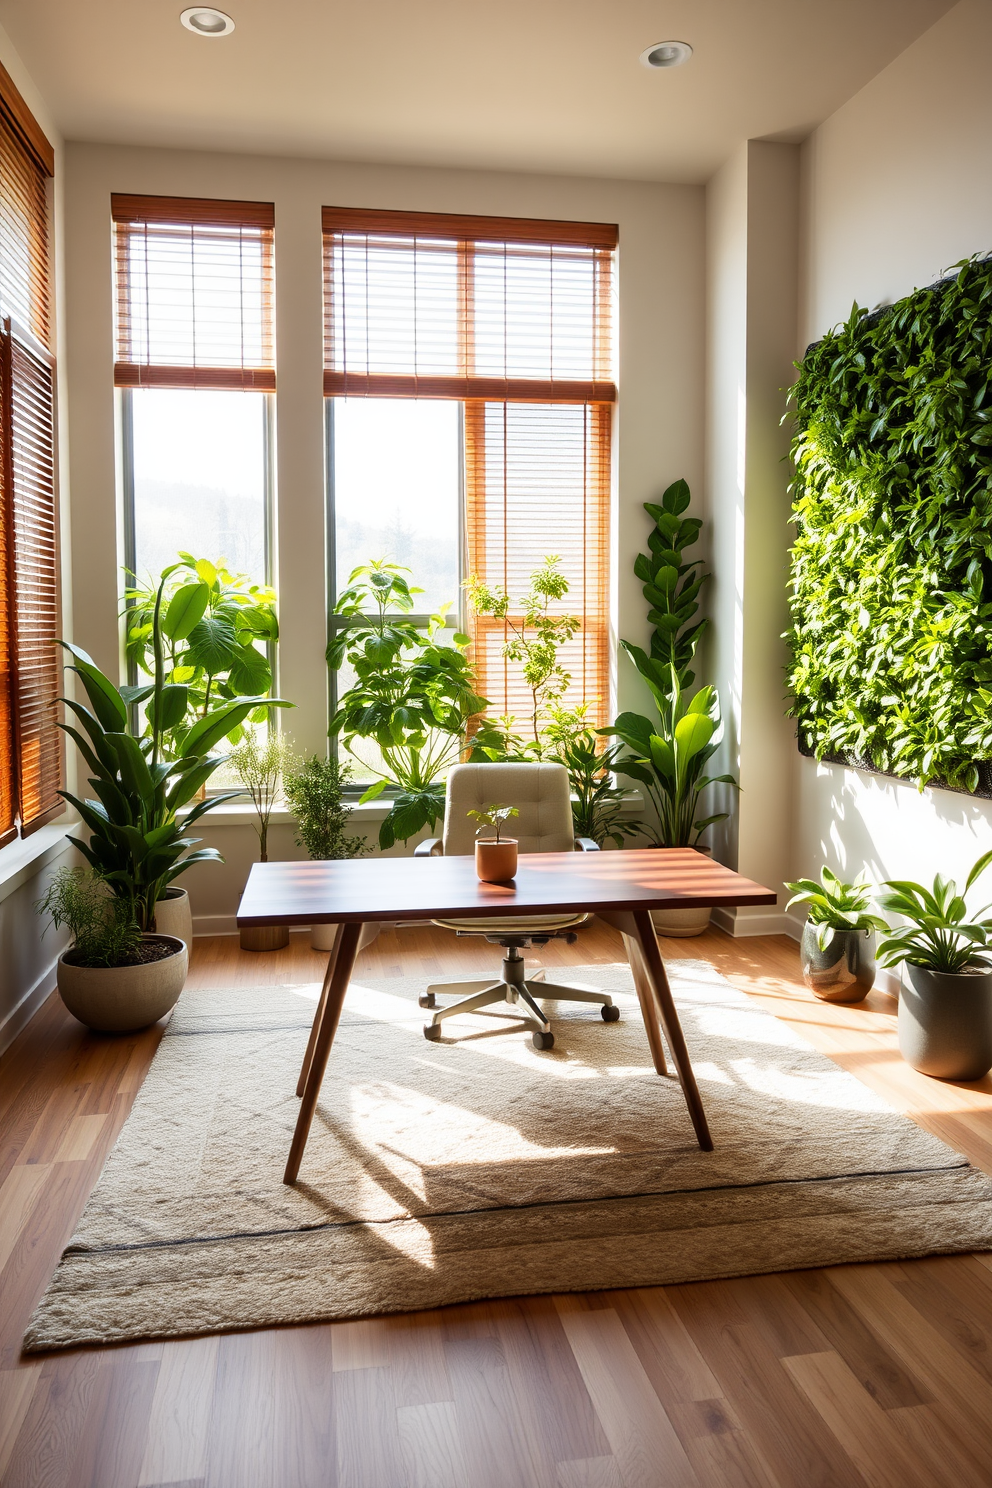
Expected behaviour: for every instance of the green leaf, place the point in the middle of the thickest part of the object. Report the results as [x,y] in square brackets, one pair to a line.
[213,644]
[186,609]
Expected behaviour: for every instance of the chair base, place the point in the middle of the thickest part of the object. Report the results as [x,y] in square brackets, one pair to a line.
[518,991]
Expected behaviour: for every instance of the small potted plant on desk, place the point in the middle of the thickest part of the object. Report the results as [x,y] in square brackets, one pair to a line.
[314,790]
[495,857]
[112,978]
[837,950]
[945,1014]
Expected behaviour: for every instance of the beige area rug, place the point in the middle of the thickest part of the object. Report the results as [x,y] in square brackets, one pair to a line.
[478,1167]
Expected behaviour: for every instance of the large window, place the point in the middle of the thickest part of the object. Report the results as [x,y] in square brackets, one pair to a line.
[31,754]
[468,365]
[195,363]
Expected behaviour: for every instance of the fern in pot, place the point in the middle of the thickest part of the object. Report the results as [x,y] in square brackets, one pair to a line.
[837,950]
[315,792]
[945,1014]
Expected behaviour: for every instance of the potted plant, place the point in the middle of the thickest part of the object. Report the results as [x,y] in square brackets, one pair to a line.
[669,759]
[597,801]
[945,1014]
[495,857]
[314,789]
[112,978]
[412,697]
[259,766]
[138,823]
[837,950]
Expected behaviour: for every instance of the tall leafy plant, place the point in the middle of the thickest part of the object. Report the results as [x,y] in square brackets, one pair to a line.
[671,584]
[669,758]
[412,696]
[137,841]
[891,581]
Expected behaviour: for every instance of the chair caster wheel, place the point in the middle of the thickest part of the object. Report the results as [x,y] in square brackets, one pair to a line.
[432,1031]
[427,1000]
[609,1014]
[543,1040]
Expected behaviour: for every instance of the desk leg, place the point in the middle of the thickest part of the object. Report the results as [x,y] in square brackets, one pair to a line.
[328,1016]
[325,989]
[649,1005]
[623,921]
[648,942]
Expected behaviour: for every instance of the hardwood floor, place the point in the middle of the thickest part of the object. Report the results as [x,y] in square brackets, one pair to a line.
[878,1375]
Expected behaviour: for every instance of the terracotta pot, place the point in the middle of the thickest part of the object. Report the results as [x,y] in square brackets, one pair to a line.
[174,917]
[122,999]
[496,862]
[845,971]
[945,1023]
[680,924]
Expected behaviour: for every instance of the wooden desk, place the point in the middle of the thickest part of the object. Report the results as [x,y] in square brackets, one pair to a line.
[621,887]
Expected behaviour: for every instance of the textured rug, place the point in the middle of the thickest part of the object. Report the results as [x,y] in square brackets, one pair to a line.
[478,1167]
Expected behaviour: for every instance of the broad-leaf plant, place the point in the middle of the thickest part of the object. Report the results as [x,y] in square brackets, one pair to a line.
[941,934]
[833,905]
[412,695]
[138,842]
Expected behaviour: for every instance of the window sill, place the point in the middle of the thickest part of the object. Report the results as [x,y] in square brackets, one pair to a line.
[236,814]
[21,860]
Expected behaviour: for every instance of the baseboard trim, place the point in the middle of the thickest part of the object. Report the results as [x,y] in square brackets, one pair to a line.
[215,925]
[776,923]
[20,1016]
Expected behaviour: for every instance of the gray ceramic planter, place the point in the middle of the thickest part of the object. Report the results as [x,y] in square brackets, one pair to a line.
[122,999]
[845,970]
[945,1023]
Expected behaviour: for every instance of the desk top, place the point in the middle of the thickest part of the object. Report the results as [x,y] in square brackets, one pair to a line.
[447,888]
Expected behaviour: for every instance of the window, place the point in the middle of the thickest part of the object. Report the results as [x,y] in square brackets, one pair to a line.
[506,325]
[31,754]
[195,362]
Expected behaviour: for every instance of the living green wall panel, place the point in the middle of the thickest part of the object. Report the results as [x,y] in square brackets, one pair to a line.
[891,571]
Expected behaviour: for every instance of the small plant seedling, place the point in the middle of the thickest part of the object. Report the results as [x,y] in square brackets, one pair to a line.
[494,817]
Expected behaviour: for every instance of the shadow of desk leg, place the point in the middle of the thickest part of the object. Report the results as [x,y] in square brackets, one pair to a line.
[648,942]
[624,922]
[322,1004]
[326,1024]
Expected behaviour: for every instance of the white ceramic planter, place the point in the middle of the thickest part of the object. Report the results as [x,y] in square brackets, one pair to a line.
[174,917]
[122,999]
[680,924]
[322,936]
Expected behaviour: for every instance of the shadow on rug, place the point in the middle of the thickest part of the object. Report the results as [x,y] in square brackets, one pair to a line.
[477,1167]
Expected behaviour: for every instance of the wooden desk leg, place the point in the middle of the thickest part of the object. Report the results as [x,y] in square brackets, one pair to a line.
[328,1020]
[649,1005]
[648,943]
[328,974]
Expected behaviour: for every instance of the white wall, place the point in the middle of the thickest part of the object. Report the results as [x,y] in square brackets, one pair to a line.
[659,422]
[897,188]
[27,954]
[752,246]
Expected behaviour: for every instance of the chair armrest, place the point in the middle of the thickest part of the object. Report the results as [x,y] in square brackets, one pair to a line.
[431,848]
[586,844]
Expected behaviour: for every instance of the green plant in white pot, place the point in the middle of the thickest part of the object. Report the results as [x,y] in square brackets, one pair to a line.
[945,1014]
[837,950]
[106,940]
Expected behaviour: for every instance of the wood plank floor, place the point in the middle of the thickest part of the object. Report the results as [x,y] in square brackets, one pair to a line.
[878,1375]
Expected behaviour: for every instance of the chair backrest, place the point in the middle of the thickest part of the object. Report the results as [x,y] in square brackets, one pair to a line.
[539,791]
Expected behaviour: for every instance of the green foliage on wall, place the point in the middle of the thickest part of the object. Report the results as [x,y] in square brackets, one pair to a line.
[891,583]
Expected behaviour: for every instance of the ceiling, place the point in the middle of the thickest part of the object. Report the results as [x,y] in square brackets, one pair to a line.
[534,85]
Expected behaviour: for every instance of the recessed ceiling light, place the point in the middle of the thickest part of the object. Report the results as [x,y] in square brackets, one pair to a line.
[666,54]
[207,22]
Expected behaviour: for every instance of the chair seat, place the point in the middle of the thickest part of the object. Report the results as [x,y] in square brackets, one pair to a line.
[531,925]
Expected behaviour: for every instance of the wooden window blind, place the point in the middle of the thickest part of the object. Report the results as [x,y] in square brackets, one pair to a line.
[429,306]
[194,293]
[30,743]
[538,482]
[29,376]
[513,318]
